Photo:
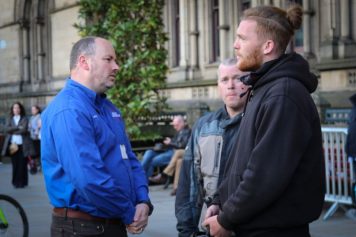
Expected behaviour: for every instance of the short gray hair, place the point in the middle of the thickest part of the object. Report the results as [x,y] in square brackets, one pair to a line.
[84,46]
[227,62]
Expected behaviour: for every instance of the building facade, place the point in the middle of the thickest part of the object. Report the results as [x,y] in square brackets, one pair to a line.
[36,37]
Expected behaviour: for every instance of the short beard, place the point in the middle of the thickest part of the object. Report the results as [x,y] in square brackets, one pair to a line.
[250,63]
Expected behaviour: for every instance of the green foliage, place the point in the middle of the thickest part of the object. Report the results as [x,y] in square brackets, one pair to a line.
[137,32]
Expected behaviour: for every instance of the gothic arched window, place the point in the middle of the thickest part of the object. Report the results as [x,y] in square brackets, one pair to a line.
[33,19]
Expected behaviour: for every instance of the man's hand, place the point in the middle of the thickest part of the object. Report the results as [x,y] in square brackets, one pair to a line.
[140,219]
[167,141]
[215,229]
[212,211]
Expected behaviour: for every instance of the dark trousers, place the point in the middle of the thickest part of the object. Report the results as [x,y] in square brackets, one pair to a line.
[72,227]
[19,169]
[37,147]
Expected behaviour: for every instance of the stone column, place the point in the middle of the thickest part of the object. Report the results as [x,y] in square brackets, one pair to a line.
[25,33]
[39,48]
[168,27]
[347,46]
[306,28]
[193,40]
[193,34]
[183,18]
[345,19]
[223,30]
[328,48]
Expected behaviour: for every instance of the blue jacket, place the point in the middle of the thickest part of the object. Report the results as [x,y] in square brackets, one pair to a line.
[87,159]
[213,137]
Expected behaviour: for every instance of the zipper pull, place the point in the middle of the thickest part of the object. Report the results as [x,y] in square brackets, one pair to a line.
[250,98]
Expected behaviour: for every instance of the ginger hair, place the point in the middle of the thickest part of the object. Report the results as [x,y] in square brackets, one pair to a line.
[275,23]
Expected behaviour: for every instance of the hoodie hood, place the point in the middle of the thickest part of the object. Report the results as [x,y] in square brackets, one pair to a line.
[288,65]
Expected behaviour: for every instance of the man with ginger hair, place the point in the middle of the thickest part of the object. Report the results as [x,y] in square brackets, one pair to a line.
[274,181]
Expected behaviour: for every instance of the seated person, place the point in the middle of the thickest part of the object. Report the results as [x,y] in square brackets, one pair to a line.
[153,158]
[173,168]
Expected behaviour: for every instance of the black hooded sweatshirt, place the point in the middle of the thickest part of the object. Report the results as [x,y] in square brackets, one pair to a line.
[275,178]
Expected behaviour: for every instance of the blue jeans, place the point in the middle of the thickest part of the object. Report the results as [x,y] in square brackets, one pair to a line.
[153,159]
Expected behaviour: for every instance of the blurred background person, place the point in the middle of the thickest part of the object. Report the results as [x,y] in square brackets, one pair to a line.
[34,127]
[17,144]
[162,155]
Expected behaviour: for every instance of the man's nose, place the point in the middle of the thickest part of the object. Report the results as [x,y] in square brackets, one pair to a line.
[236,43]
[231,83]
[116,67]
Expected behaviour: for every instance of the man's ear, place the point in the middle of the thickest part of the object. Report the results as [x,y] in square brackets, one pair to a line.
[83,62]
[268,47]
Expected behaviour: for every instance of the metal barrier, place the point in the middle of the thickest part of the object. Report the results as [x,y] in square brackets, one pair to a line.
[338,169]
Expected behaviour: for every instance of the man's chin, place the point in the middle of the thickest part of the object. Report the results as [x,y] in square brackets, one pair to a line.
[242,66]
[231,102]
[247,67]
[109,86]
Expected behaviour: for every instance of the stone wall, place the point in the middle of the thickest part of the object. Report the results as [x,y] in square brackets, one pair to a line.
[26,35]
[329,33]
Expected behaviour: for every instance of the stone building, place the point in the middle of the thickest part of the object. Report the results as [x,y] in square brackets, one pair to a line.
[36,37]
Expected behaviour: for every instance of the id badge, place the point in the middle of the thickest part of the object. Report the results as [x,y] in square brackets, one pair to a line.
[123,152]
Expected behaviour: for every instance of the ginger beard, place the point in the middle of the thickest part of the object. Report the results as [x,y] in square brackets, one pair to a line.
[250,62]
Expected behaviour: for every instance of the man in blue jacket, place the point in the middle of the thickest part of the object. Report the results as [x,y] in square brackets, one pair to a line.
[93,179]
[212,139]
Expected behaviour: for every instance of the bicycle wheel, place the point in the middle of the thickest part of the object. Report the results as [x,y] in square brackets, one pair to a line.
[17,223]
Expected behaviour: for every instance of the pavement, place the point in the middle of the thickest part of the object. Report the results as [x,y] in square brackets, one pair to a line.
[162,222]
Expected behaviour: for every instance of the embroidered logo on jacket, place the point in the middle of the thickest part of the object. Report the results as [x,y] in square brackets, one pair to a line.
[115,114]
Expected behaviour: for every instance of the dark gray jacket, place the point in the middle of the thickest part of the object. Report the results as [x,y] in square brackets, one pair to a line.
[213,137]
[20,129]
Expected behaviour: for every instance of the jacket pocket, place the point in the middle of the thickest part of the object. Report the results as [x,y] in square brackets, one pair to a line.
[210,151]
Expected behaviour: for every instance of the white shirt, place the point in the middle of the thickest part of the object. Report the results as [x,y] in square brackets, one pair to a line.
[16,138]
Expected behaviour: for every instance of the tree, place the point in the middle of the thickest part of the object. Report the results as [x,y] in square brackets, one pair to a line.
[137,32]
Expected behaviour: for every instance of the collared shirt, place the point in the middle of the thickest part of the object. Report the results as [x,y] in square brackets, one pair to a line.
[87,159]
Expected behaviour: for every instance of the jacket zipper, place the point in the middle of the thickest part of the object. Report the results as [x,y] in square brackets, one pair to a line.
[216,160]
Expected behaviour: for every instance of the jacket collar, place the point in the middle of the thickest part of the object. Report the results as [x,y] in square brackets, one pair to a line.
[227,121]
[90,94]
